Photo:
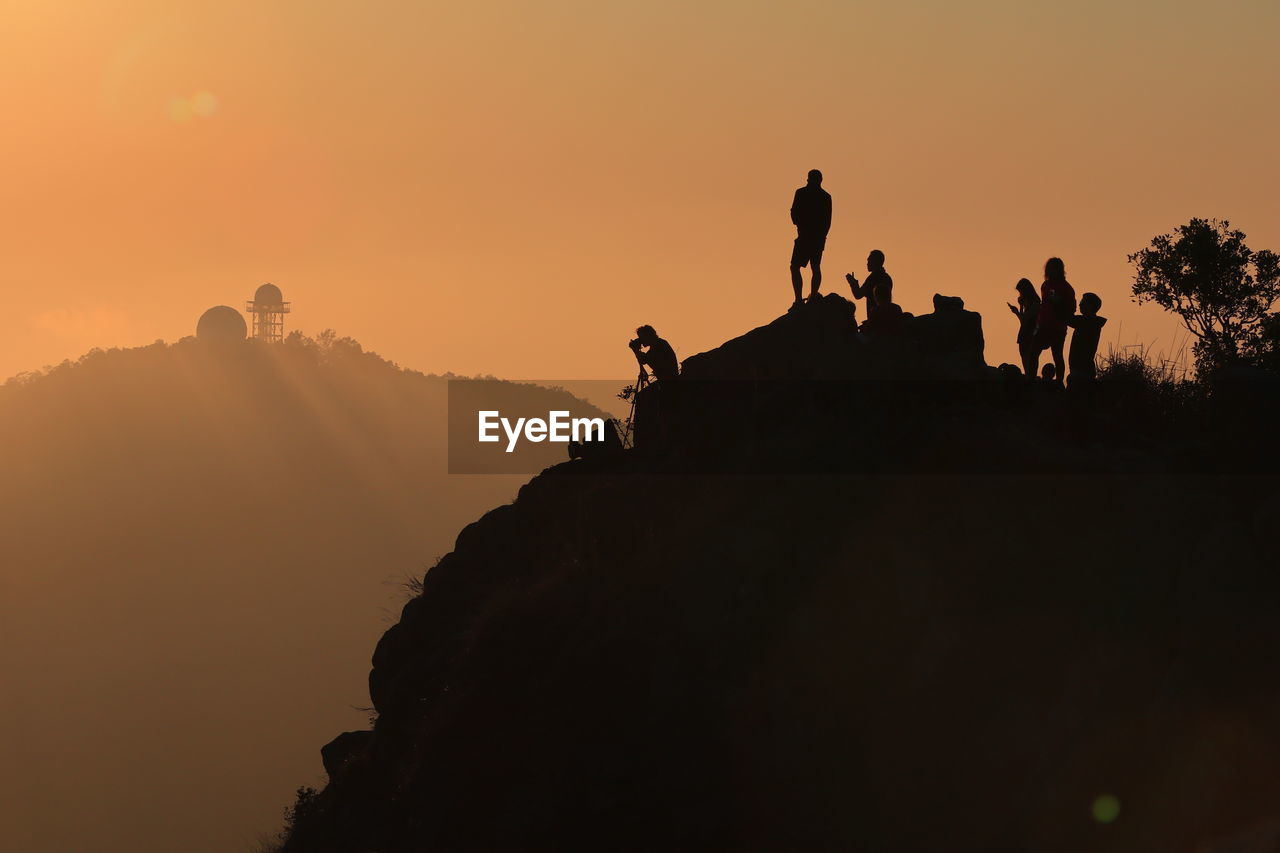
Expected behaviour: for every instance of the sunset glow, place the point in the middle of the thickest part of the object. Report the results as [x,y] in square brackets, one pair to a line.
[562,172]
[201,541]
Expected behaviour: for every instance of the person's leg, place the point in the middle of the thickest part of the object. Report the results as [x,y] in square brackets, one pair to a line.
[798,260]
[815,265]
[1030,360]
[1059,363]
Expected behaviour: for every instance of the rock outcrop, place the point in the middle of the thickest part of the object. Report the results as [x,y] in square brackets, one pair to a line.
[850,603]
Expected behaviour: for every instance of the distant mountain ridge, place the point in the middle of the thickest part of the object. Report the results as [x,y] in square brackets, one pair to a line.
[197,542]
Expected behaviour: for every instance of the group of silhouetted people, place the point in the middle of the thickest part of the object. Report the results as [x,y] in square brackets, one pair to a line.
[1043,318]
[811,214]
[884,316]
[1043,321]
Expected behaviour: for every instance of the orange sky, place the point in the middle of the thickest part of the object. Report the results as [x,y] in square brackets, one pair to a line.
[510,188]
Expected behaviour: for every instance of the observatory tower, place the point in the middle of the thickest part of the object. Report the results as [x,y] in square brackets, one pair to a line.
[268,309]
[221,324]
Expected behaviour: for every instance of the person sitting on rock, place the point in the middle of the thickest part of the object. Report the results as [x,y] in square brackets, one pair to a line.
[1057,305]
[876,278]
[885,316]
[1084,340]
[1027,311]
[657,356]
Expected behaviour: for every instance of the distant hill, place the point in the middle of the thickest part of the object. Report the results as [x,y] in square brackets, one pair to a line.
[200,545]
[858,595]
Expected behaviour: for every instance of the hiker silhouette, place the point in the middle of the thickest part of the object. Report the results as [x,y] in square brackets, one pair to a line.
[877,278]
[811,214]
[1028,312]
[656,404]
[1087,326]
[659,355]
[1057,304]
[885,317]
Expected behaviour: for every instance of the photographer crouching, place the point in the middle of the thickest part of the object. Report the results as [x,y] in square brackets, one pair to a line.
[655,403]
[658,357]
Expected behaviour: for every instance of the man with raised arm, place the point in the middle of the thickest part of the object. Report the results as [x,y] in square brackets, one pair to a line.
[877,279]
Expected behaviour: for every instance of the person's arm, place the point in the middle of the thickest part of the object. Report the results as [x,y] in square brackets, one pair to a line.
[795,204]
[825,214]
[858,290]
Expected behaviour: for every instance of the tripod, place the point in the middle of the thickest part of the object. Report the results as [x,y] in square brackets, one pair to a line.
[641,381]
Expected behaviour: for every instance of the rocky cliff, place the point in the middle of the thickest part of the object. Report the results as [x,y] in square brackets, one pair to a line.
[857,595]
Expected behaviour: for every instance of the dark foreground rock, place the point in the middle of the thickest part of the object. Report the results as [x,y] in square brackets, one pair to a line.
[846,604]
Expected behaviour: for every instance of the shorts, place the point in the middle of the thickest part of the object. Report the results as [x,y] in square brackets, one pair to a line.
[807,250]
[1048,338]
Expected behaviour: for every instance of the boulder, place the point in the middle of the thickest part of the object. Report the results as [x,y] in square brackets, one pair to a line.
[950,334]
[342,750]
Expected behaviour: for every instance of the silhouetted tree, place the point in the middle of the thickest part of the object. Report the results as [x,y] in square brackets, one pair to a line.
[1263,350]
[1206,274]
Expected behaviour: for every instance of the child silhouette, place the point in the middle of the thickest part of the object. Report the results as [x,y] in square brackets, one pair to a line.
[1087,326]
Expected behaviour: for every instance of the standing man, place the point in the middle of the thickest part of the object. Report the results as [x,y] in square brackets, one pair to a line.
[811,213]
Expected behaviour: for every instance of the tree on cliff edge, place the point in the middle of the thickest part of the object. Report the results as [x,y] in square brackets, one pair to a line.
[1223,290]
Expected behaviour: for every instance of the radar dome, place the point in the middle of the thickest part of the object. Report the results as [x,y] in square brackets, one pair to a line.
[268,294]
[222,323]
